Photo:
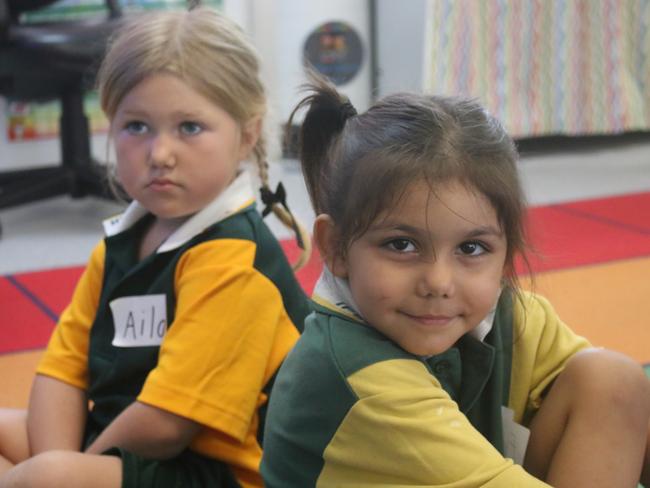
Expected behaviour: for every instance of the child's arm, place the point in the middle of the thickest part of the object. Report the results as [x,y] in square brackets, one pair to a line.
[591,400]
[56,415]
[147,431]
[230,333]
[58,403]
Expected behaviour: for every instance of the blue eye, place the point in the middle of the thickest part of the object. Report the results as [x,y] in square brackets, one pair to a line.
[401,245]
[190,128]
[472,248]
[136,127]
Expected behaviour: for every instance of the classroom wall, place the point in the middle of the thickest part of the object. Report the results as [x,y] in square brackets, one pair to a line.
[280,29]
[400,45]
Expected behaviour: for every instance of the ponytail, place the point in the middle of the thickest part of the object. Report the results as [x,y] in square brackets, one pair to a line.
[327,113]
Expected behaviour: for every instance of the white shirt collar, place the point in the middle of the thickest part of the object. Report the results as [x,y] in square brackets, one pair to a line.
[334,293]
[239,194]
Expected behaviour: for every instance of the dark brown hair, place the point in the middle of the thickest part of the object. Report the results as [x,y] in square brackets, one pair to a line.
[357,166]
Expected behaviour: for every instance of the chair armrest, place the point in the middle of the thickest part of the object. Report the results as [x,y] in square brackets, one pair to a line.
[5,18]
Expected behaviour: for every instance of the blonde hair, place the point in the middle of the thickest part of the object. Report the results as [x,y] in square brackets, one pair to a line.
[210,53]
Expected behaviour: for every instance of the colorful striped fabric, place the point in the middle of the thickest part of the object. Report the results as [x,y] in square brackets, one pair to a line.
[545,66]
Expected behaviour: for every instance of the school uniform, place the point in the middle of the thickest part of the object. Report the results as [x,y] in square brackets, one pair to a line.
[198,328]
[352,408]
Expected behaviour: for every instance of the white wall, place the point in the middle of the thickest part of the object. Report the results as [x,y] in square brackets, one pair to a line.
[401,42]
[280,29]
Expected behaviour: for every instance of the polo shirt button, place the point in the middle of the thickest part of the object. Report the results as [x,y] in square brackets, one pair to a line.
[442,367]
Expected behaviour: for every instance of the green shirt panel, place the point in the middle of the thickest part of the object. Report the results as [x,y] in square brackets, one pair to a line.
[117,374]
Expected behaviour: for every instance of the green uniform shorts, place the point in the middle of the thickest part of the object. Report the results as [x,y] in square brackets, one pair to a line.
[187,470]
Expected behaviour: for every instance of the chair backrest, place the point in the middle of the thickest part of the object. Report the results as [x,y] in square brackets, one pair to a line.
[39,60]
[16,7]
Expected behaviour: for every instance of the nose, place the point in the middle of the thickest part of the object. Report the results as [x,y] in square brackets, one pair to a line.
[161,151]
[437,279]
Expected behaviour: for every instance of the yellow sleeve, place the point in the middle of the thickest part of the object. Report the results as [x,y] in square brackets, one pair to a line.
[542,344]
[66,357]
[406,431]
[229,334]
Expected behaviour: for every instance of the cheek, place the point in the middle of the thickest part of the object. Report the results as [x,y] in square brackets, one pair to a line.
[484,292]
[129,153]
[123,158]
[375,287]
[125,173]
[128,146]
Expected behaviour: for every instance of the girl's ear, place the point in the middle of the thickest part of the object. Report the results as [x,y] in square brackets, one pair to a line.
[250,134]
[326,238]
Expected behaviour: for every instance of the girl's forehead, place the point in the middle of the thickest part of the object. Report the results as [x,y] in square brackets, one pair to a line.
[421,192]
[166,91]
[421,201]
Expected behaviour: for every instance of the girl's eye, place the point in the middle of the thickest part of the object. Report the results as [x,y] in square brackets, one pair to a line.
[136,127]
[401,245]
[190,128]
[472,248]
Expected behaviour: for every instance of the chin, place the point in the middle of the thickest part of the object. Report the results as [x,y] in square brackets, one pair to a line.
[422,351]
[430,350]
[171,214]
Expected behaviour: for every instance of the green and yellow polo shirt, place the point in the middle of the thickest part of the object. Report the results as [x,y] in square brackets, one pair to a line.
[351,408]
[199,328]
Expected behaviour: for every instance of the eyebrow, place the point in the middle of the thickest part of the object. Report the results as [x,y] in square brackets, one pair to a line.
[484,230]
[409,229]
[180,114]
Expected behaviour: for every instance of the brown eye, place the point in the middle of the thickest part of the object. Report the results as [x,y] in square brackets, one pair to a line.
[472,248]
[401,245]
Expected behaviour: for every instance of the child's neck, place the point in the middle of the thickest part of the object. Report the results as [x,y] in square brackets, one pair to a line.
[157,233]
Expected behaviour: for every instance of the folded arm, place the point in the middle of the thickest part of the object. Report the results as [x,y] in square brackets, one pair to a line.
[147,431]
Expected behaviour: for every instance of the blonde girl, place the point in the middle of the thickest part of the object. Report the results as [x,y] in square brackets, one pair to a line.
[159,370]
[425,364]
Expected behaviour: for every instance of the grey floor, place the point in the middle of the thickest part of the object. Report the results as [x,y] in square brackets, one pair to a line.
[61,232]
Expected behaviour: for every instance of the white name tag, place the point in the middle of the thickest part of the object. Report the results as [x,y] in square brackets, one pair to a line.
[139,320]
[515,437]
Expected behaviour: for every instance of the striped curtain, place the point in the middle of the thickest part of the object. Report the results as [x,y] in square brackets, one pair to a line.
[545,67]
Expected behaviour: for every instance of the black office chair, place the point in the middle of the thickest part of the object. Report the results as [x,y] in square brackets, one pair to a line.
[46,61]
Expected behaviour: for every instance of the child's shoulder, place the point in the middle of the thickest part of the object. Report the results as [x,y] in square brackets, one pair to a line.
[244,224]
[532,308]
[537,323]
[343,361]
[348,345]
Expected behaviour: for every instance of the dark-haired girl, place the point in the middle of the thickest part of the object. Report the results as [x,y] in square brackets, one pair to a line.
[425,364]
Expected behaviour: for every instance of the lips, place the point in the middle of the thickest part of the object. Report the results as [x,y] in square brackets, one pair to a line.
[431,320]
[161,183]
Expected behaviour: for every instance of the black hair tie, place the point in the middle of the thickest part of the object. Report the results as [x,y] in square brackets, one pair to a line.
[348,110]
[270,198]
